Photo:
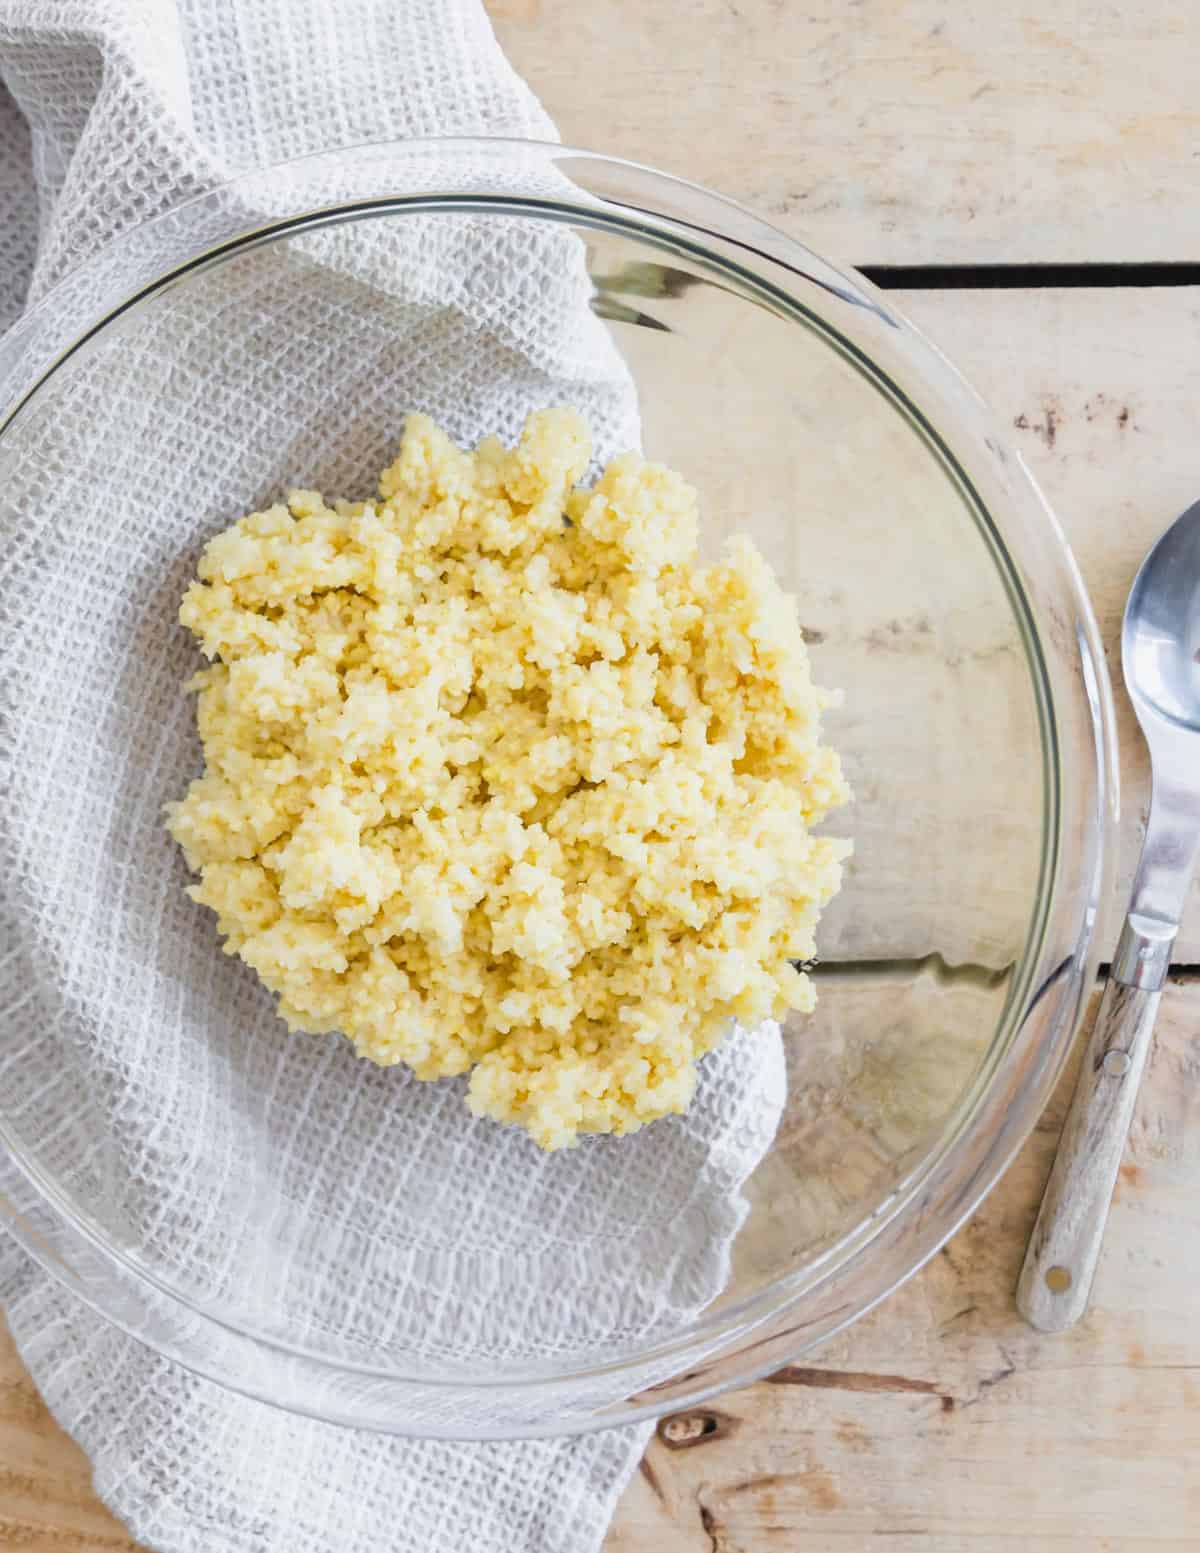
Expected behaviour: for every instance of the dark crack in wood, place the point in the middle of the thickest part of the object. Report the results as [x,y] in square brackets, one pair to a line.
[863,1381]
[646,1468]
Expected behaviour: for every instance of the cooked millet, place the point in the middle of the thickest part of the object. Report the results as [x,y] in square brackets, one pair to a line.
[499,781]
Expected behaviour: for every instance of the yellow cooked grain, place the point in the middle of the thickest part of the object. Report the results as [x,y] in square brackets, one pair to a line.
[499,780]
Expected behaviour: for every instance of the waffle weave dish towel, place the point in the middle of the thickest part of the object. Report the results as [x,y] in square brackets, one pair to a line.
[112,111]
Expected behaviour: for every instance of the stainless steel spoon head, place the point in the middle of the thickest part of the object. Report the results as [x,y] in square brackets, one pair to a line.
[1160,658]
[1160,639]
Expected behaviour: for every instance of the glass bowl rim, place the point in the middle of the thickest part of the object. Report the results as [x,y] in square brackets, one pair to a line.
[736,1321]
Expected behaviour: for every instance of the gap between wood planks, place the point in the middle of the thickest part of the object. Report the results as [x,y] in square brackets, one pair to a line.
[1176,973]
[968,971]
[1023,277]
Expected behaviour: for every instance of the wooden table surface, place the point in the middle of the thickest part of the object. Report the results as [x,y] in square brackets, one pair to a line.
[929,136]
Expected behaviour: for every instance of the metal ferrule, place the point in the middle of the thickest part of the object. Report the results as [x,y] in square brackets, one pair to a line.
[1143,954]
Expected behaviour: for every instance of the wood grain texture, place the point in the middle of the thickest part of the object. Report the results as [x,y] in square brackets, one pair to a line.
[917,1426]
[46,1499]
[1060,1264]
[895,131]
[1096,389]
[942,1423]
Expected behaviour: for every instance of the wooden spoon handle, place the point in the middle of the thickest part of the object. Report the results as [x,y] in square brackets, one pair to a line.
[1056,1280]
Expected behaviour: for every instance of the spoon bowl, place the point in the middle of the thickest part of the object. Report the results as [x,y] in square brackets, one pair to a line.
[1160,640]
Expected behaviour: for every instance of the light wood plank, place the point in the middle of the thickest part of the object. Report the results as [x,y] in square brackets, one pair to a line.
[1097,389]
[895,131]
[46,1499]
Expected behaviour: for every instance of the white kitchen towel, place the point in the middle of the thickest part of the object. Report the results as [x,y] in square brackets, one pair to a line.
[133,1052]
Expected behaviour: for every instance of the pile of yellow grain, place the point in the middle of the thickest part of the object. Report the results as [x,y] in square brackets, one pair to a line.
[497,779]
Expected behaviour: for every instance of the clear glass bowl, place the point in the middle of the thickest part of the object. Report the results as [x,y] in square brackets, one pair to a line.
[935,589]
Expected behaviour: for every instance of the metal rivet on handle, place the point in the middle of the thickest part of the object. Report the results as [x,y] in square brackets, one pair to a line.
[1058,1279]
[1116,1063]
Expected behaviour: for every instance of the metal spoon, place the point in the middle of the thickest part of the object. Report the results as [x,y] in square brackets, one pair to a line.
[1160,656]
